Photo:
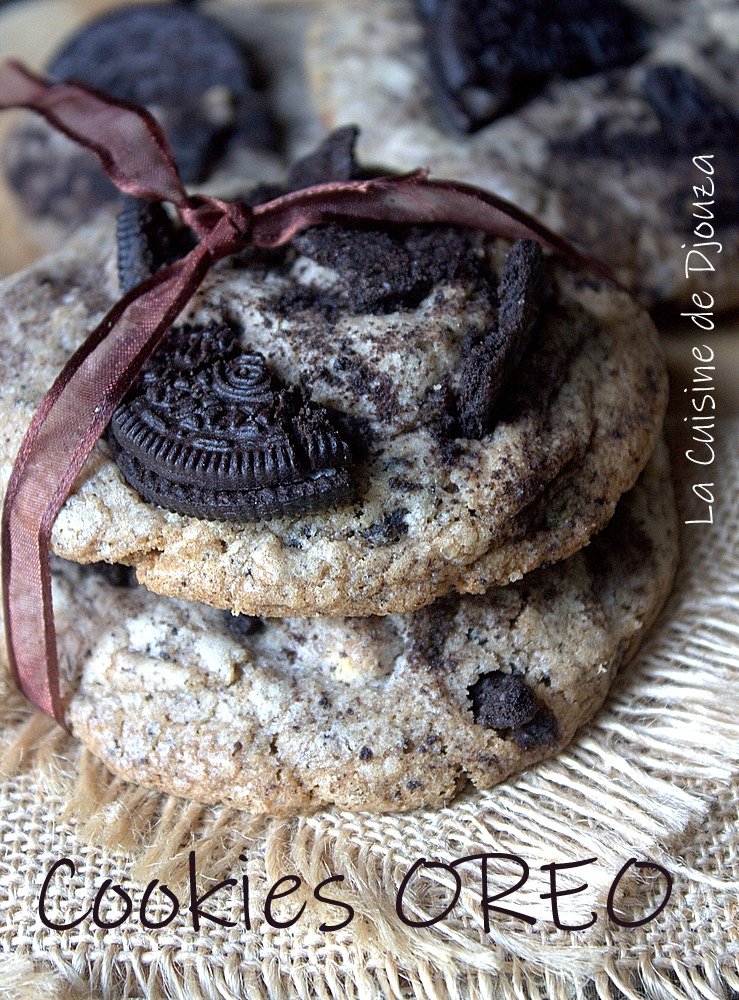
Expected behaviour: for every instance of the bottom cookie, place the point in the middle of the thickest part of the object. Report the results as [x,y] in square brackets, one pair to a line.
[289,715]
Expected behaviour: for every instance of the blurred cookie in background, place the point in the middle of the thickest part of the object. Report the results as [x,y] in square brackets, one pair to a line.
[184,67]
[586,115]
[224,80]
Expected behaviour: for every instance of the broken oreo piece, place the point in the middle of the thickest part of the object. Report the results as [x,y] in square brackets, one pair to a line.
[505,703]
[541,731]
[147,240]
[490,56]
[502,701]
[209,433]
[333,160]
[387,270]
[490,364]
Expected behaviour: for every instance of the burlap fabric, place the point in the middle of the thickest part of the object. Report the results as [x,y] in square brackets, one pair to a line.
[653,777]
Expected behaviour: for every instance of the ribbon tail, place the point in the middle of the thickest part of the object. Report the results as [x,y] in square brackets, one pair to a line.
[128,141]
[410,199]
[72,416]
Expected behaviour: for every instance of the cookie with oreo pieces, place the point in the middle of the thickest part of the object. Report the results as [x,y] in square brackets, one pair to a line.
[587,115]
[292,715]
[438,506]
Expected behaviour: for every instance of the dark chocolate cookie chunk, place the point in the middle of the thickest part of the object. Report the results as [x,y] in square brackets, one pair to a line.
[505,703]
[333,160]
[502,701]
[385,270]
[490,363]
[209,433]
[147,240]
[490,56]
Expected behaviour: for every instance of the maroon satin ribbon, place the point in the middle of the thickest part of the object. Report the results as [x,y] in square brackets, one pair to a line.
[75,411]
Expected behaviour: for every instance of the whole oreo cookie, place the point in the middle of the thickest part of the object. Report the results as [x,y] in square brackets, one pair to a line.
[183,66]
[208,432]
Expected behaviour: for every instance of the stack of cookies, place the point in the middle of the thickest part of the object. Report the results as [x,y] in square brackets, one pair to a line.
[357,482]
[378,523]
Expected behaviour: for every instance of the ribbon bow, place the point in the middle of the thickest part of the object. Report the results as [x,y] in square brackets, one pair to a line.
[135,155]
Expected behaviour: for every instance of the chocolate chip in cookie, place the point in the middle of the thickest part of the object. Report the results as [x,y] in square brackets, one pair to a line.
[541,731]
[390,528]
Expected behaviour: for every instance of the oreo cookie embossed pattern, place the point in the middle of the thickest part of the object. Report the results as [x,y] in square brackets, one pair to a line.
[208,433]
[147,240]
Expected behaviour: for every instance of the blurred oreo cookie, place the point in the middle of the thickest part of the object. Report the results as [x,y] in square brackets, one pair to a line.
[490,56]
[187,69]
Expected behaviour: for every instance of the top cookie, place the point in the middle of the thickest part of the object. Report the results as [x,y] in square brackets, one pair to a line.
[586,115]
[397,342]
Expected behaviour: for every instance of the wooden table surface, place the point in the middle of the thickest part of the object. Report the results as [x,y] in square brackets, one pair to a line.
[32,29]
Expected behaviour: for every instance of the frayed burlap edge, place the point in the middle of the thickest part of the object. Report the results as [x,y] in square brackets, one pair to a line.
[652,777]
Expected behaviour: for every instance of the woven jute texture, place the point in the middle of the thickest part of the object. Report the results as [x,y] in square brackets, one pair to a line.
[653,778]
